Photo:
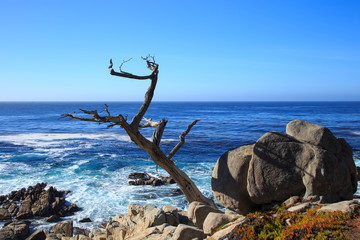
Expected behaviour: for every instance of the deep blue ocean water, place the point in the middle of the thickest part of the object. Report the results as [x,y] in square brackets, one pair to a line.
[93,161]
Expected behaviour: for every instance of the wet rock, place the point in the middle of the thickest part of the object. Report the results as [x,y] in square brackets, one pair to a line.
[85,220]
[2,199]
[4,214]
[174,192]
[25,209]
[143,178]
[57,204]
[139,175]
[53,218]
[68,210]
[35,201]
[41,207]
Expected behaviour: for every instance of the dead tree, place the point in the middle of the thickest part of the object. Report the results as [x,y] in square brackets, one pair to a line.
[138,122]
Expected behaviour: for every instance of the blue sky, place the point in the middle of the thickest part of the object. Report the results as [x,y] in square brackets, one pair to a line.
[207,50]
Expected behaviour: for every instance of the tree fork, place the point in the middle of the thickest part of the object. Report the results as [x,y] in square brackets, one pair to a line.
[187,186]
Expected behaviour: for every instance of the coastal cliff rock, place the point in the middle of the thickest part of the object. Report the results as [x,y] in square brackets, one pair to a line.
[307,160]
[35,201]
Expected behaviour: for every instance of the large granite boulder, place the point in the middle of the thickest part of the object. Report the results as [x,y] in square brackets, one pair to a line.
[229,179]
[307,160]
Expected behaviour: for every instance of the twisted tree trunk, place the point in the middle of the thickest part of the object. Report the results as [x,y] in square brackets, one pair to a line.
[187,186]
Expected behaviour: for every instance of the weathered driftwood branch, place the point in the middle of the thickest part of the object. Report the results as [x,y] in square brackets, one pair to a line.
[187,186]
[149,123]
[114,120]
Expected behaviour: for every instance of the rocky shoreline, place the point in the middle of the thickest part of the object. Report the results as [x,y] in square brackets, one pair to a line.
[20,208]
[149,222]
[306,177]
[36,202]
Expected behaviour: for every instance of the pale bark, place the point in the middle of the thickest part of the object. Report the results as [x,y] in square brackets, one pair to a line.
[187,186]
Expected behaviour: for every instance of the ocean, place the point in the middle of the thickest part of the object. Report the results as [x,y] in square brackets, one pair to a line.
[93,161]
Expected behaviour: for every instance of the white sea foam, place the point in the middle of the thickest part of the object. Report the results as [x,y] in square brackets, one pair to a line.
[60,144]
[169,140]
[51,138]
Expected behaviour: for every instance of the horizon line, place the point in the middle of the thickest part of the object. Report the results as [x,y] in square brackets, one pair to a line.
[169,101]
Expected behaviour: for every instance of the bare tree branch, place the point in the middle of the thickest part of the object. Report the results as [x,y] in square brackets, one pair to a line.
[149,123]
[148,95]
[182,140]
[157,135]
[106,109]
[126,74]
[122,64]
[115,120]
[187,186]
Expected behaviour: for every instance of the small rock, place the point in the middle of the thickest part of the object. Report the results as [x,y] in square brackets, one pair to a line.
[171,215]
[68,210]
[169,180]
[52,236]
[143,178]
[139,175]
[80,231]
[38,235]
[185,232]
[198,212]
[176,192]
[344,206]
[41,207]
[213,221]
[64,228]
[25,209]
[15,231]
[311,198]
[301,207]
[292,200]
[85,220]
[53,218]
[288,221]
[157,182]
[4,214]
[132,182]
[57,204]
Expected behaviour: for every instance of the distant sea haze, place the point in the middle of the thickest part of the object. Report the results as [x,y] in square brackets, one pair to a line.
[93,161]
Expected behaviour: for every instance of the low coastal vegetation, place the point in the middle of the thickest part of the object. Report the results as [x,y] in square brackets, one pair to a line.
[281,224]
